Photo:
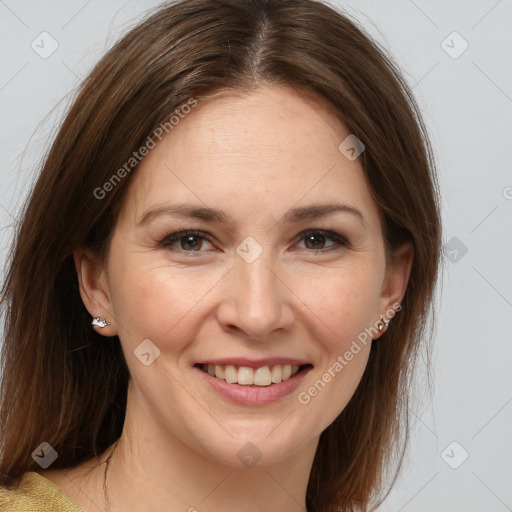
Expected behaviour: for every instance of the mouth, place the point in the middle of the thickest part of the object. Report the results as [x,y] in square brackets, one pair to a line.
[261,376]
[251,383]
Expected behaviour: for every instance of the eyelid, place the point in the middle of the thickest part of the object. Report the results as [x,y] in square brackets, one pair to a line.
[177,235]
[328,233]
[339,240]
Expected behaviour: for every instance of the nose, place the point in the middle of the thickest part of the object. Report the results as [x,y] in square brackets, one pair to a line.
[257,302]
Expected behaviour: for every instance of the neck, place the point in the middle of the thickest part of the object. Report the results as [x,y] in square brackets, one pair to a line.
[154,470]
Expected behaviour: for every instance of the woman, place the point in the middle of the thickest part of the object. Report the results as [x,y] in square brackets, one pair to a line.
[223,273]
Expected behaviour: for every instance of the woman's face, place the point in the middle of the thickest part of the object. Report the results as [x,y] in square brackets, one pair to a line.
[259,284]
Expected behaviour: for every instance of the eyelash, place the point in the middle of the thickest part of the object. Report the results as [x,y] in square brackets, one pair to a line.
[335,237]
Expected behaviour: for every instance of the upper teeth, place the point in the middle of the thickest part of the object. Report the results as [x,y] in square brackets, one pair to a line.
[247,376]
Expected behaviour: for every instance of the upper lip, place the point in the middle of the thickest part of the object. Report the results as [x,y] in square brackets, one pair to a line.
[254,363]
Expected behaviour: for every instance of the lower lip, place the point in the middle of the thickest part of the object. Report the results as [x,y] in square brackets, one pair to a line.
[254,395]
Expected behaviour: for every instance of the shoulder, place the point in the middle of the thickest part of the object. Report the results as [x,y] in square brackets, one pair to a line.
[36,493]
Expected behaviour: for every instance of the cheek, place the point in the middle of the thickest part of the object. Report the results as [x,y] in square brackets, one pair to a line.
[340,304]
[158,302]
[327,389]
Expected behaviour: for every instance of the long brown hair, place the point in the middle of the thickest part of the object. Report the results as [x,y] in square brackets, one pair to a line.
[65,384]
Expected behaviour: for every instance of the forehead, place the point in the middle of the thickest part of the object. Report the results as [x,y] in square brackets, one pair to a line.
[272,146]
[270,117]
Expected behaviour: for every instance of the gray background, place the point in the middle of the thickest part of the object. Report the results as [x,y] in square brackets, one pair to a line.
[467,102]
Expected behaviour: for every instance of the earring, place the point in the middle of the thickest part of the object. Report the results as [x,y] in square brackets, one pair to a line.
[100,323]
[384,324]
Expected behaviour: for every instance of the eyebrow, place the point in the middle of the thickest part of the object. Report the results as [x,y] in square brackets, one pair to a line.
[293,216]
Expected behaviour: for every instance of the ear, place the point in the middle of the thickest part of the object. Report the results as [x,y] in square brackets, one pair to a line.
[398,271]
[94,289]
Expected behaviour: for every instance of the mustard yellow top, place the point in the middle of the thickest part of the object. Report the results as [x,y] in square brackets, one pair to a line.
[37,494]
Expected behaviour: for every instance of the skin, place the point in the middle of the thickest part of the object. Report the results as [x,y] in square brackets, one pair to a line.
[254,155]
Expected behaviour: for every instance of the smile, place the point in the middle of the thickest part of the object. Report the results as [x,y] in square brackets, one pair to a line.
[248,376]
[252,383]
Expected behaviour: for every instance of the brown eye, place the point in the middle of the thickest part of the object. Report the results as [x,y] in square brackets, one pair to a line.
[316,240]
[189,241]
